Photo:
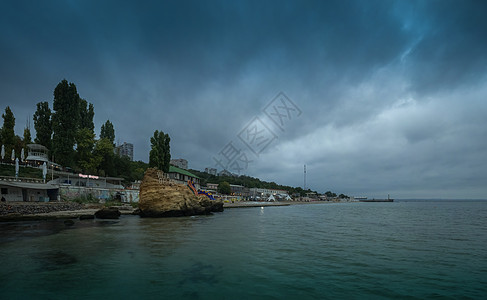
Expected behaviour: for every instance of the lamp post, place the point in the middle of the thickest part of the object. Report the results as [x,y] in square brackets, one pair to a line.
[16,168]
[44,171]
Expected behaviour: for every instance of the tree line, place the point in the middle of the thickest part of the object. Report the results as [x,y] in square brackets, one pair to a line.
[249,182]
[68,131]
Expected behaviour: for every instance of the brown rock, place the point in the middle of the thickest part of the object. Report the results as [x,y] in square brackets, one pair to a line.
[158,198]
[108,213]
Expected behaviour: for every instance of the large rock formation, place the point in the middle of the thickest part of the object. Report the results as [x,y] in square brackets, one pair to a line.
[158,197]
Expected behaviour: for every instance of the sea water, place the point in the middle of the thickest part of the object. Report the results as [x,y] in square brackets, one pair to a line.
[404,249]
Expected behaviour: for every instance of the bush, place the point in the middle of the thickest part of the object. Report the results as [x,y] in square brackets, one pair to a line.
[85,199]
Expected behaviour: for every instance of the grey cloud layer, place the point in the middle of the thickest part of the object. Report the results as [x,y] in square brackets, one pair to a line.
[400,80]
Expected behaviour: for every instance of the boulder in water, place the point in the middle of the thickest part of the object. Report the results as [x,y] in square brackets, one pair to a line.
[108,213]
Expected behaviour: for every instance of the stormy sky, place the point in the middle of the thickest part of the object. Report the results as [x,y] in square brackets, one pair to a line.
[375,97]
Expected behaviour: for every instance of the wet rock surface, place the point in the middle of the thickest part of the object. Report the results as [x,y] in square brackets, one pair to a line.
[108,213]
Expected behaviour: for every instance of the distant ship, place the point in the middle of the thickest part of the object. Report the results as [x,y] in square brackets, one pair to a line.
[364,199]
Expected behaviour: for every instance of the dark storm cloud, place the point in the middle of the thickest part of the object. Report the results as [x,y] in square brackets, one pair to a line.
[396,75]
[452,47]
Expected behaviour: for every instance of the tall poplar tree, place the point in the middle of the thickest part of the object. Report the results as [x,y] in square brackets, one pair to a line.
[8,132]
[43,125]
[27,136]
[87,113]
[27,139]
[108,132]
[85,137]
[160,153]
[65,122]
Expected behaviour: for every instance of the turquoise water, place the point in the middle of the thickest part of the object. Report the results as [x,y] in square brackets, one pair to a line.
[412,250]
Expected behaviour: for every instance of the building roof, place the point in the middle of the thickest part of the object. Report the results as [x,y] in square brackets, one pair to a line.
[173,169]
[37,147]
[29,185]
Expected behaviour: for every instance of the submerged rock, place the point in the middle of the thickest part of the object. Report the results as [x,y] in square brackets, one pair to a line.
[69,222]
[108,213]
[86,217]
[161,198]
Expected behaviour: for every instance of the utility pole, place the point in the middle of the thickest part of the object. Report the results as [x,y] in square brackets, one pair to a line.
[304,186]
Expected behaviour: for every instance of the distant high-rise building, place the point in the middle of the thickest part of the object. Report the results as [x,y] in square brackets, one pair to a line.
[180,163]
[126,149]
[211,171]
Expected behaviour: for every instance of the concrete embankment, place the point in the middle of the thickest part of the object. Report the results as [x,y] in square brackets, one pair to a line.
[253,204]
[28,211]
[238,204]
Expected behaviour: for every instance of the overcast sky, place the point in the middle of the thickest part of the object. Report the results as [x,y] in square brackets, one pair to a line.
[375,97]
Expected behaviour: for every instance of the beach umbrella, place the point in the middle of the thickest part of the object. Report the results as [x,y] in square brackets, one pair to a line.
[3,151]
[13,154]
[22,158]
[44,171]
[16,167]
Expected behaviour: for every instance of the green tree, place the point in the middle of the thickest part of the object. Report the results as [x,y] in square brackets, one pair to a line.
[43,125]
[224,188]
[160,153]
[85,143]
[8,132]
[103,157]
[85,137]
[87,113]
[27,139]
[122,167]
[65,122]
[108,132]
[329,194]
[27,136]
[138,169]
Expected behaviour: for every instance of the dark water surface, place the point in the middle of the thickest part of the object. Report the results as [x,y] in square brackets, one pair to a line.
[408,250]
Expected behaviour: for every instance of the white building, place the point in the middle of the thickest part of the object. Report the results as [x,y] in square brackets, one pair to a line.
[258,192]
[18,191]
[37,154]
[126,149]
[211,171]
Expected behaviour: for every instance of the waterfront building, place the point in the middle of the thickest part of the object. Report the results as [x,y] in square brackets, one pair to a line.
[126,149]
[37,154]
[180,163]
[212,186]
[259,192]
[239,190]
[182,176]
[86,180]
[27,190]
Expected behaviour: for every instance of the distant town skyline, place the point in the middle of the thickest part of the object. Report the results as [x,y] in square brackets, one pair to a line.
[390,94]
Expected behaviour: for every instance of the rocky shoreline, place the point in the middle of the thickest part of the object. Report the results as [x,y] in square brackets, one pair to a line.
[30,208]
[30,211]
